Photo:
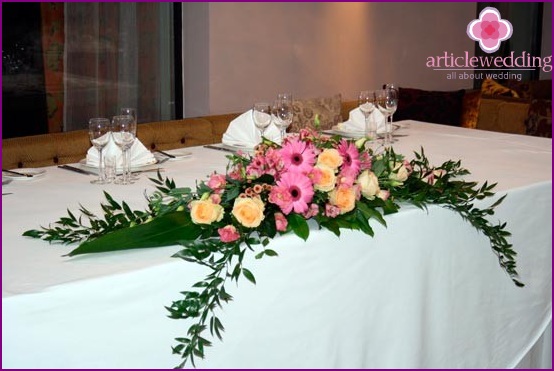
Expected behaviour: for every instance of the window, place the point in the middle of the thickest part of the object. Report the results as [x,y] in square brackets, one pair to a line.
[64,63]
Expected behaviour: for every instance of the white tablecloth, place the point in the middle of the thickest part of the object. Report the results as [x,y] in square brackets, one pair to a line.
[426,292]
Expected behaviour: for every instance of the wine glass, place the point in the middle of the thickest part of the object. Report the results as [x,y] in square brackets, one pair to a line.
[387,102]
[393,86]
[131,112]
[283,112]
[261,114]
[99,134]
[124,129]
[366,103]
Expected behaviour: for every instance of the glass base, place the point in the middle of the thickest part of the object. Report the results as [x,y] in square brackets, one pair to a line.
[123,181]
[99,181]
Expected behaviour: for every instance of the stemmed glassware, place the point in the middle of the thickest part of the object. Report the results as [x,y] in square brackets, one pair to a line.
[283,112]
[133,113]
[124,130]
[99,133]
[387,102]
[261,114]
[129,111]
[366,103]
[394,87]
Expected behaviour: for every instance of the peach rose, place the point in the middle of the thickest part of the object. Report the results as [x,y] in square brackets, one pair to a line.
[344,198]
[249,211]
[205,212]
[326,180]
[369,184]
[330,157]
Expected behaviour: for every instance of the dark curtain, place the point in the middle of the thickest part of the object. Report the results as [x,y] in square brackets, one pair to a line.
[52,15]
[24,110]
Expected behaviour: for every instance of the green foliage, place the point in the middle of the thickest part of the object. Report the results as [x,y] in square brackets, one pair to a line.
[88,226]
[461,196]
[167,221]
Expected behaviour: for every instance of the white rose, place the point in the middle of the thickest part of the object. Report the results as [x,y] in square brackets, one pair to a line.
[399,172]
[369,184]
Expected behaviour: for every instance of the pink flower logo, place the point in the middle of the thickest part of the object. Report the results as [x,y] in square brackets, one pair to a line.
[490,29]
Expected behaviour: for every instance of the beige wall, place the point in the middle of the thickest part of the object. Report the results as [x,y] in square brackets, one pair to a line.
[238,53]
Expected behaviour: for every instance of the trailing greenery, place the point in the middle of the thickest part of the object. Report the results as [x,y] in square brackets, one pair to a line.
[222,242]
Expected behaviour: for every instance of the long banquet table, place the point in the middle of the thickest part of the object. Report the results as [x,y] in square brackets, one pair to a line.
[425,292]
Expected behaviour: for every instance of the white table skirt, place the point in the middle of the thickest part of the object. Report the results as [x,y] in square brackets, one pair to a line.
[426,292]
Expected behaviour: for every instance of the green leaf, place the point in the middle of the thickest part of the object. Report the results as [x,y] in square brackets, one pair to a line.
[33,233]
[165,230]
[249,276]
[369,213]
[299,225]
[270,252]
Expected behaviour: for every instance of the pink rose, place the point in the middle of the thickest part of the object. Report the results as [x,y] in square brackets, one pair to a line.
[431,178]
[383,194]
[217,182]
[331,211]
[311,212]
[228,233]
[281,222]
[215,198]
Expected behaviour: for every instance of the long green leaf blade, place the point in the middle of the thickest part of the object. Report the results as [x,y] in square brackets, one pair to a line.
[162,231]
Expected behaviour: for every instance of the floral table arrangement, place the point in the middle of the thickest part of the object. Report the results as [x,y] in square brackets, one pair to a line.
[336,182]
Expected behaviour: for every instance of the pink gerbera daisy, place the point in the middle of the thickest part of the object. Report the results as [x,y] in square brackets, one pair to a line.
[350,159]
[294,191]
[298,156]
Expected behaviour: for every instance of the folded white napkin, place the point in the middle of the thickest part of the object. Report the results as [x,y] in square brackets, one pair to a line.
[356,121]
[139,155]
[242,132]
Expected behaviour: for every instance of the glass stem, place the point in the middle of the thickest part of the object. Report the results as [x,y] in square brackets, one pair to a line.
[124,174]
[388,131]
[101,175]
[128,165]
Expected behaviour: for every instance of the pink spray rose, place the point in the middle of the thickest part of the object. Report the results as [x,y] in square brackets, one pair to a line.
[228,233]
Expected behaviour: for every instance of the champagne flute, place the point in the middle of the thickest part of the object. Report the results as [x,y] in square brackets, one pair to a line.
[283,113]
[366,103]
[124,132]
[387,102]
[261,114]
[99,134]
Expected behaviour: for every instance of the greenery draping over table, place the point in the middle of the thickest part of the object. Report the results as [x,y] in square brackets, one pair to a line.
[337,182]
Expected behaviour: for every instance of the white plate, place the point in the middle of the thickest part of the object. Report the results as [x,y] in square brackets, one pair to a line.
[5,180]
[238,145]
[83,162]
[36,173]
[356,134]
[345,134]
[178,153]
